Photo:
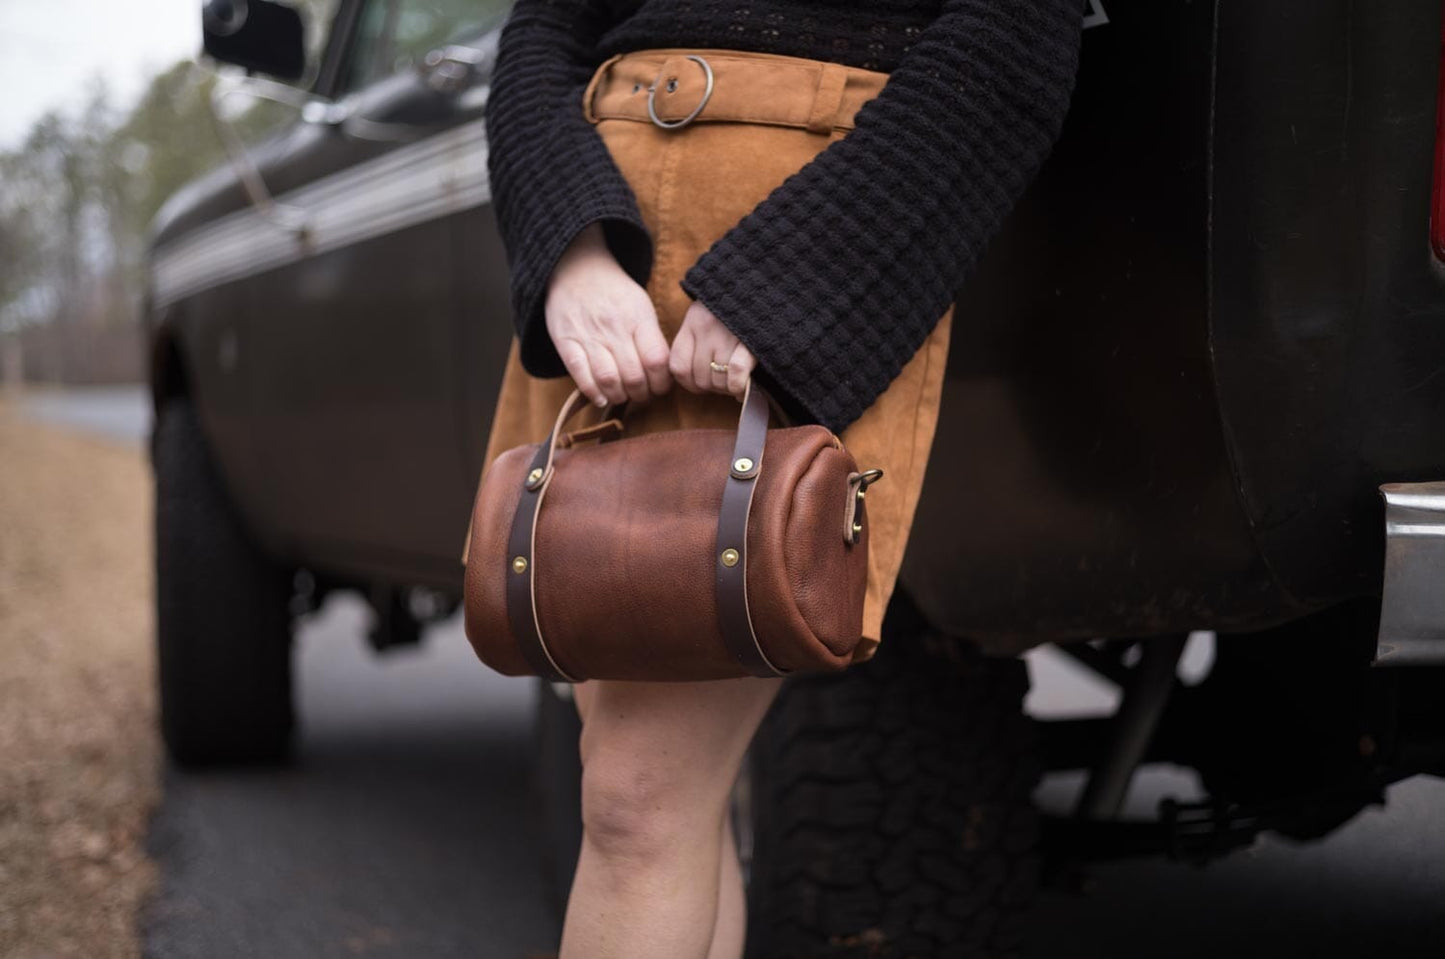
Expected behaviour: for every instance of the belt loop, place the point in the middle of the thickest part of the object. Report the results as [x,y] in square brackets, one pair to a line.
[829,97]
[594,83]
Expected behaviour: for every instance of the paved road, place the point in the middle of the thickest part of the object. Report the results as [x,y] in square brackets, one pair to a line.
[115,412]
[1375,888]
[404,832]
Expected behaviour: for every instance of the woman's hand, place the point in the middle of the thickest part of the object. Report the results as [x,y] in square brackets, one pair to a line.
[701,340]
[604,325]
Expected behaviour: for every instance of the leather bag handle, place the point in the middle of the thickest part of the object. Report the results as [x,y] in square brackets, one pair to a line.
[729,559]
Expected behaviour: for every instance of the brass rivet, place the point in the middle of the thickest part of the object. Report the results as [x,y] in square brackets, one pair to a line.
[860,496]
[535,475]
[857,529]
[729,557]
[743,464]
[519,564]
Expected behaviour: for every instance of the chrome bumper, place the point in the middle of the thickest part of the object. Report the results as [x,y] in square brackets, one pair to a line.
[1412,611]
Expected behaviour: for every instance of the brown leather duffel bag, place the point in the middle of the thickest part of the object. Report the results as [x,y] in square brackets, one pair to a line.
[687,554]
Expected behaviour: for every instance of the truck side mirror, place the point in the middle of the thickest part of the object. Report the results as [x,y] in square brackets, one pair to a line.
[259,35]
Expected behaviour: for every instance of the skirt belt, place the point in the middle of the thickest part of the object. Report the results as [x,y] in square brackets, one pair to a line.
[675,87]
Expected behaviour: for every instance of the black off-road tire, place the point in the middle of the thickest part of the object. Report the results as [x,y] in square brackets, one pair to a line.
[891,807]
[223,624]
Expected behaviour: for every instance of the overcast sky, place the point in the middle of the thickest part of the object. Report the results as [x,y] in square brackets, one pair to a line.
[49,50]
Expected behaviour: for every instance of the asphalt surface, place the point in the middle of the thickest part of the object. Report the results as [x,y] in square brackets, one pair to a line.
[404,829]
[1374,888]
[115,412]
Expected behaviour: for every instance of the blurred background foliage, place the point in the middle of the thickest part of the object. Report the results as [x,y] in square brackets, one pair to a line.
[76,198]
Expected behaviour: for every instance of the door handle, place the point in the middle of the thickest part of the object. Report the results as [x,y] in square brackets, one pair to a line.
[452,68]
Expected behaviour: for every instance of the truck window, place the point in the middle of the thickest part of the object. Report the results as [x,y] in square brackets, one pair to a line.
[394,35]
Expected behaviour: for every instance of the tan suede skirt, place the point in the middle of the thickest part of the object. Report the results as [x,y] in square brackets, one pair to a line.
[767,116]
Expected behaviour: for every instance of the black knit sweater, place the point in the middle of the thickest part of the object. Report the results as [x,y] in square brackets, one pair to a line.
[836,278]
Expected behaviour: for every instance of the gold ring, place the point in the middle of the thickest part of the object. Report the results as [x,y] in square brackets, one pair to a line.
[717,367]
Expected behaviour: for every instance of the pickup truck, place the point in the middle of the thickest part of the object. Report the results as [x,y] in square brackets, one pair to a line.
[1197,385]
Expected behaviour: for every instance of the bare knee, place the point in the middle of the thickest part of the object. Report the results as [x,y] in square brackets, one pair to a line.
[659,761]
[642,809]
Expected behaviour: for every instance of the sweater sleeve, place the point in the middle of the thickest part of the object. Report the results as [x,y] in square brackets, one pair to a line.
[837,277]
[550,172]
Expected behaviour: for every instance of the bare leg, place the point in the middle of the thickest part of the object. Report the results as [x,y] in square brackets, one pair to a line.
[730,930]
[658,764]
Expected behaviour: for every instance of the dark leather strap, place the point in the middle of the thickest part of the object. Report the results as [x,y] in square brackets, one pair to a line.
[731,554]
[522,554]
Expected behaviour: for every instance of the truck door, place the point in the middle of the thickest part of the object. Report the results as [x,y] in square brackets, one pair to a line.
[356,370]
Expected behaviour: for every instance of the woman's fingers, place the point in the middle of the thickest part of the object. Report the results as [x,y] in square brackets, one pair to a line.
[606,331]
[574,357]
[702,358]
[653,351]
[722,354]
[638,347]
[703,340]
[629,368]
[606,373]
[740,367]
[680,361]
[607,334]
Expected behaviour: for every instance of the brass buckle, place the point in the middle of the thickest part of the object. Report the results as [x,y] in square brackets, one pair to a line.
[706,94]
[852,526]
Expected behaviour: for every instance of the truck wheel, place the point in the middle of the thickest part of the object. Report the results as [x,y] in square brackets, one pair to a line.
[223,627]
[891,807]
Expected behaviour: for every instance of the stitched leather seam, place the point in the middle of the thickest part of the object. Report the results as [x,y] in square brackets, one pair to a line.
[532,585]
[747,609]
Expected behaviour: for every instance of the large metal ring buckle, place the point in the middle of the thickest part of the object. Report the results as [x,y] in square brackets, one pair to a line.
[706,93]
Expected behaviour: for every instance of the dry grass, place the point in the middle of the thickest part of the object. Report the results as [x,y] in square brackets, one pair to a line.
[79,755]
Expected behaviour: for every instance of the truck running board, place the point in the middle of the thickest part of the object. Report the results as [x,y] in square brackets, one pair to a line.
[1412,611]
